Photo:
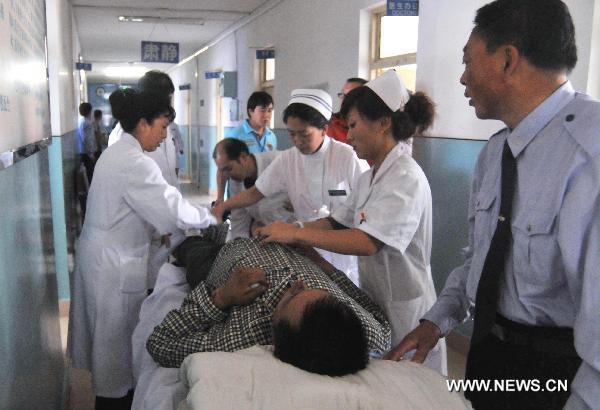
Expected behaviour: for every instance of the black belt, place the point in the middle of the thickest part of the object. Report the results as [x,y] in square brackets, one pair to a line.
[554,340]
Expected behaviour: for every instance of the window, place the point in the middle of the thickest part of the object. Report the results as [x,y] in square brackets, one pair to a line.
[394,45]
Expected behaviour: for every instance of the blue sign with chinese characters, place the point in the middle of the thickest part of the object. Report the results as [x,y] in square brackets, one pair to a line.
[159,52]
[265,54]
[208,75]
[184,87]
[83,66]
[403,7]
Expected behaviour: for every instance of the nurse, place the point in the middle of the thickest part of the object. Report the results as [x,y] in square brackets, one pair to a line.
[128,199]
[317,174]
[387,219]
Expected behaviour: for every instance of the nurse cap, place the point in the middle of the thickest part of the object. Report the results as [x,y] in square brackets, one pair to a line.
[315,98]
[391,89]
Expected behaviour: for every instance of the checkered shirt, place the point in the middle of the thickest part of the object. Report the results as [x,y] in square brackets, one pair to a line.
[199,326]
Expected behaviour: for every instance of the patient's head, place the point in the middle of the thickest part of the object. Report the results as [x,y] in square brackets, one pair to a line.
[318,333]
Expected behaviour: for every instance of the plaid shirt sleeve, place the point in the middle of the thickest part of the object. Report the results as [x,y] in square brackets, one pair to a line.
[198,326]
[379,337]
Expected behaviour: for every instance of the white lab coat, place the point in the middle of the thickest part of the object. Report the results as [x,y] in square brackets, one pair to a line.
[267,210]
[165,157]
[317,185]
[395,208]
[128,201]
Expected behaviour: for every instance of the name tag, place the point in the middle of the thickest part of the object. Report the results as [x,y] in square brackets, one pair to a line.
[337,192]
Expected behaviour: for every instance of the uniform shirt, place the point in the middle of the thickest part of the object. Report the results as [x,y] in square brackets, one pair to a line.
[267,210]
[199,326]
[165,154]
[394,206]
[255,143]
[552,272]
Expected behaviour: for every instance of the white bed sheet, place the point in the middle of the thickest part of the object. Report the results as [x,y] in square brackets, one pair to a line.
[158,387]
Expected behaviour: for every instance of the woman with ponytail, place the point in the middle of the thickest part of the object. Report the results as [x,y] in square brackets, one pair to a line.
[386,221]
[128,200]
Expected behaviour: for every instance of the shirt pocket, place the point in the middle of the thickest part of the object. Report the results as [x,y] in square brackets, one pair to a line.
[535,246]
[133,272]
[485,216]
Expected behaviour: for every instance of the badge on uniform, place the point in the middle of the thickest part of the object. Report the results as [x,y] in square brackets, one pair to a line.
[363,218]
[337,192]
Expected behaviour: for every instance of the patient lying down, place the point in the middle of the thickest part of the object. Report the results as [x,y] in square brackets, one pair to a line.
[249,294]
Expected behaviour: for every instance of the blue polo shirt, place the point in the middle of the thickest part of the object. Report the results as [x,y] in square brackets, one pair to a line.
[268,141]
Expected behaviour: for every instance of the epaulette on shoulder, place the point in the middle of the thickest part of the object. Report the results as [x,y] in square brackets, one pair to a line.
[581,118]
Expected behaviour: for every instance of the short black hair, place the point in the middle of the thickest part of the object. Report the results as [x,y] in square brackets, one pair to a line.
[357,80]
[258,98]
[306,113]
[416,116]
[85,108]
[330,339]
[197,254]
[156,81]
[542,30]
[97,113]
[232,147]
[130,106]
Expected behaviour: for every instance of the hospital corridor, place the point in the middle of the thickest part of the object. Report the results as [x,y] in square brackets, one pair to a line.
[299,204]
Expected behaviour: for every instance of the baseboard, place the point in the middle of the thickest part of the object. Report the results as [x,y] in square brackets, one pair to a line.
[458,342]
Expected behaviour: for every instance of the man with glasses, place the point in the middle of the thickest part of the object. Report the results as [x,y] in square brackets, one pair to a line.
[337,126]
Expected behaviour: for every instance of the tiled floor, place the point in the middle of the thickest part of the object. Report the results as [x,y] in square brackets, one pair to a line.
[80,394]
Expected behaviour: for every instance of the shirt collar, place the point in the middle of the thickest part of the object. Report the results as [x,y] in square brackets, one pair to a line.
[322,150]
[131,140]
[389,160]
[531,125]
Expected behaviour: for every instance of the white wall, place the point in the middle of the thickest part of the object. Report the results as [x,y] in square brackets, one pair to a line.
[320,44]
[63,78]
[444,28]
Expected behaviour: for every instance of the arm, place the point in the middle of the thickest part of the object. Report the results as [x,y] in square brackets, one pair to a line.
[201,323]
[241,200]
[221,182]
[345,241]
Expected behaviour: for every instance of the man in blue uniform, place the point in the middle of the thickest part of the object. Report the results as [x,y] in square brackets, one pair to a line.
[532,273]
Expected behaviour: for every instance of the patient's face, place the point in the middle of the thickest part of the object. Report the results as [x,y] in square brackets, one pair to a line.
[294,300]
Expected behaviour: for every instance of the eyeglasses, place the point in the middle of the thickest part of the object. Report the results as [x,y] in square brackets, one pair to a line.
[341,95]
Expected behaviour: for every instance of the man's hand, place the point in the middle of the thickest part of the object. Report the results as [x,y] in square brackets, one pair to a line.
[166,240]
[423,338]
[243,286]
[278,232]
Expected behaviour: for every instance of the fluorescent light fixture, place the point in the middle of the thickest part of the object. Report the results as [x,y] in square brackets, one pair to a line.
[134,19]
[125,71]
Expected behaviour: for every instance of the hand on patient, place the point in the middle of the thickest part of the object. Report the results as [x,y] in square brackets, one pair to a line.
[278,232]
[423,338]
[218,210]
[243,286]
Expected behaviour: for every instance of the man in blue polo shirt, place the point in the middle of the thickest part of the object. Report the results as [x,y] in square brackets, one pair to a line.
[253,131]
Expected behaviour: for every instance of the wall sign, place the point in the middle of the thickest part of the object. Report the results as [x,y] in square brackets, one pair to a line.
[83,66]
[209,75]
[265,54]
[403,7]
[184,87]
[159,52]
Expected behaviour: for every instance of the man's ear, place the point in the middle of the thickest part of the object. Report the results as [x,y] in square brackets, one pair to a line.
[511,59]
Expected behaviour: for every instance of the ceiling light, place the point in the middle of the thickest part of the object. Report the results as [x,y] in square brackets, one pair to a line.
[125,71]
[134,19]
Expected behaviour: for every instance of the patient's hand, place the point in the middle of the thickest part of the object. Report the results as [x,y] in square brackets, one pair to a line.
[423,338]
[278,232]
[243,286]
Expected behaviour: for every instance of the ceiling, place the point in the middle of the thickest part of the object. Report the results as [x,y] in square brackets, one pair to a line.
[106,41]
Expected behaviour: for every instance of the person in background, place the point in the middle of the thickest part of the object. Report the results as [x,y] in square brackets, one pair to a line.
[100,133]
[254,132]
[317,174]
[178,141]
[531,275]
[87,139]
[242,169]
[338,128]
[387,219]
[129,200]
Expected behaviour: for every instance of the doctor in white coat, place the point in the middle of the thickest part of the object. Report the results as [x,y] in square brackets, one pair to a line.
[387,219]
[129,199]
[317,174]
[165,156]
